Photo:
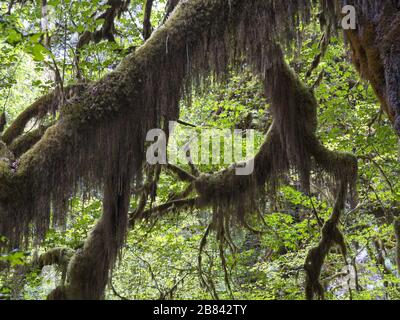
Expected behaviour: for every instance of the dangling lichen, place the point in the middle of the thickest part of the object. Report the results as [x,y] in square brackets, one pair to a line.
[98,141]
[290,143]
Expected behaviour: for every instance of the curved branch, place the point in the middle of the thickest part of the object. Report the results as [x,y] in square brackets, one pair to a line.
[106,32]
[182,174]
[50,102]
[147,28]
[59,257]
[317,255]
[56,256]
[25,142]
[37,110]
[158,211]
[171,4]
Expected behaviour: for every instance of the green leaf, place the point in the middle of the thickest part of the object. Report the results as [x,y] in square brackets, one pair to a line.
[14,37]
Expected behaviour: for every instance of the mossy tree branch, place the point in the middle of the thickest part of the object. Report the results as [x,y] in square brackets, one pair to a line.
[111,117]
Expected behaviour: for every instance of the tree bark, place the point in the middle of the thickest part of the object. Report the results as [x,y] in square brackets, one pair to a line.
[375,49]
[147,27]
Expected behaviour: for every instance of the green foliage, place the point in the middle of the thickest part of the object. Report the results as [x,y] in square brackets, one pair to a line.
[15,258]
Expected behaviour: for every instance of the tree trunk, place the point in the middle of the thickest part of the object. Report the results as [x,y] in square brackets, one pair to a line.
[376,51]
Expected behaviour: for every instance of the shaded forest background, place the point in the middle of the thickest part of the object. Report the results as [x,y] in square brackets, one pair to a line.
[46,46]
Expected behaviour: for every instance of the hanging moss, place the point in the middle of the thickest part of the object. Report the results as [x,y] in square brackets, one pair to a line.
[145,88]
[290,143]
[99,140]
[376,49]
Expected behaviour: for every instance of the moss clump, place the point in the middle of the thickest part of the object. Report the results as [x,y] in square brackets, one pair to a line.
[25,142]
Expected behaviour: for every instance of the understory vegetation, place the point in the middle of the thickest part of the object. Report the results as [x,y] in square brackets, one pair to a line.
[194,231]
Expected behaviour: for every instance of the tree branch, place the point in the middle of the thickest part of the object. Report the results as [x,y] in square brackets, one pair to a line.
[147,27]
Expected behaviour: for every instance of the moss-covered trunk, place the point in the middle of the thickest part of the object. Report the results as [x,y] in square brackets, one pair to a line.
[375,49]
[87,273]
